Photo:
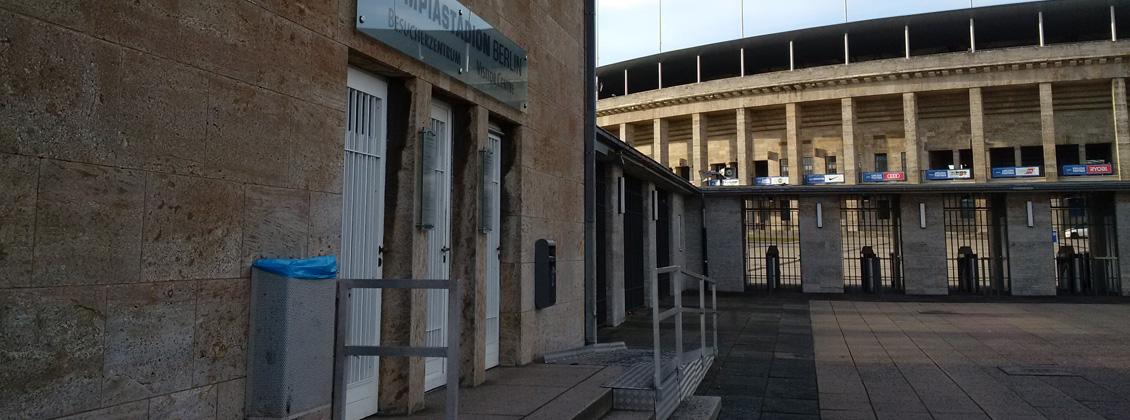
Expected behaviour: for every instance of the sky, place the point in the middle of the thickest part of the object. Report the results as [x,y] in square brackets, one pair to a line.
[628,29]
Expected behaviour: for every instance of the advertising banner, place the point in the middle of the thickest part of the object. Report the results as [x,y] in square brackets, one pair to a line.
[1086,170]
[822,179]
[1016,172]
[771,180]
[944,174]
[883,176]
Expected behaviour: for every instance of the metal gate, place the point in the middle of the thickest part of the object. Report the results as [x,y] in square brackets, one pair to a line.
[976,254]
[1084,244]
[871,234]
[633,244]
[771,223]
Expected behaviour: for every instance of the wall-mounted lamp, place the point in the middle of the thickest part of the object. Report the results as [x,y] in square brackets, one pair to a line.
[922,215]
[819,215]
[1031,222]
[620,195]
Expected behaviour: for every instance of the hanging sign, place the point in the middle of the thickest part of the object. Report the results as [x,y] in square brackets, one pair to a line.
[883,176]
[446,35]
[822,179]
[1086,170]
[944,174]
[1016,172]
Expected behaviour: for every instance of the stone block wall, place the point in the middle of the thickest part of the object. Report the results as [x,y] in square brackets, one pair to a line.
[150,152]
[724,242]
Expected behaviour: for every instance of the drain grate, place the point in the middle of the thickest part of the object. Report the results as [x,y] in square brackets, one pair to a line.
[1036,370]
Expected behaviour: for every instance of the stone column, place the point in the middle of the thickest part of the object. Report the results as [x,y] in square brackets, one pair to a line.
[821,248]
[744,153]
[847,110]
[1047,132]
[627,131]
[517,316]
[614,238]
[913,147]
[1031,257]
[1121,127]
[468,262]
[403,312]
[924,248]
[977,131]
[724,243]
[699,145]
[793,152]
[649,243]
[659,142]
[1122,235]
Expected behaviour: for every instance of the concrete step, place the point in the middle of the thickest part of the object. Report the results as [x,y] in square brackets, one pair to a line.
[588,400]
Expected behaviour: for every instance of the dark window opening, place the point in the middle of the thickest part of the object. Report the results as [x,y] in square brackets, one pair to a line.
[1032,156]
[1098,153]
[732,171]
[830,165]
[684,172]
[902,161]
[808,166]
[965,158]
[1000,157]
[941,159]
[761,168]
[784,167]
[1066,154]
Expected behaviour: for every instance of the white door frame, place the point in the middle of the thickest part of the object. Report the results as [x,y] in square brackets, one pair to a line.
[493,283]
[362,230]
[439,246]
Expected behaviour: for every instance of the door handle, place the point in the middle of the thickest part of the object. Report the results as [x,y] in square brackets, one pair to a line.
[380,255]
[444,251]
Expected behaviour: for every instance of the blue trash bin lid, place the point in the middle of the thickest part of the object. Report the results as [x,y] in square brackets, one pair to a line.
[324,267]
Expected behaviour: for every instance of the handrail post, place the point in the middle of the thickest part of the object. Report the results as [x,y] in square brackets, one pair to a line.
[657,353]
[702,317]
[714,296]
[678,318]
[454,304]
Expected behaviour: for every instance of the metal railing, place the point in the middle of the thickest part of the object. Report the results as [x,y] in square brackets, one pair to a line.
[677,312]
[343,351]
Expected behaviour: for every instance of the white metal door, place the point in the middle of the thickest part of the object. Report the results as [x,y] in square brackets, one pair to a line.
[362,228]
[439,245]
[494,250]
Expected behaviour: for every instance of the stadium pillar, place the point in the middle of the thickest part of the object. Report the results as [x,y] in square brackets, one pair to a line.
[1047,132]
[793,143]
[744,146]
[847,111]
[627,132]
[977,134]
[1121,126]
[911,145]
[659,141]
[698,147]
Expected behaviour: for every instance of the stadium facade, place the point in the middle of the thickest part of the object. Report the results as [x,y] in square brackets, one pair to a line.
[981,151]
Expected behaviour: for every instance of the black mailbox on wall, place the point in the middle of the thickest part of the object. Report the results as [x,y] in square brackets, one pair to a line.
[545,273]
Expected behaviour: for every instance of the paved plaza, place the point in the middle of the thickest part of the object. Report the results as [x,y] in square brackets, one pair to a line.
[852,357]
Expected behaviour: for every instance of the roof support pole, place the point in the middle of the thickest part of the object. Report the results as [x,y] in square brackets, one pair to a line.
[1113,27]
[625,81]
[1040,16]
[972,37]
[847,56]
[792,66]
[661,75]
[698,68]
[742,58]
[906,40]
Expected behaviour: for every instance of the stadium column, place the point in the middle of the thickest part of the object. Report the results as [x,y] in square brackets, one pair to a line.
[698,147]
[793,143]
[1047,132]
[627,131]
[847,109]
[744,146]
[910,134]
[659,141]
[977,134]
[1121,126]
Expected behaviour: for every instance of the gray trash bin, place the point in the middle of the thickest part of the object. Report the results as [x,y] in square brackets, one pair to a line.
[291,348]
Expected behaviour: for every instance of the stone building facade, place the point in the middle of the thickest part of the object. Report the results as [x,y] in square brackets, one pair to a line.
[151,151]
[1014,108]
